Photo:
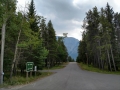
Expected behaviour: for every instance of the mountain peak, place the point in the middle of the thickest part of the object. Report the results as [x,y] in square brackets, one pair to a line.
[71,44]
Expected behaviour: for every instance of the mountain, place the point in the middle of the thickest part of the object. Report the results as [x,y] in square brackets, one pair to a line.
[72,46]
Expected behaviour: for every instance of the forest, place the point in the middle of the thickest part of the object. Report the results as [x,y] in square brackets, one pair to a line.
[27,37]
[100,44]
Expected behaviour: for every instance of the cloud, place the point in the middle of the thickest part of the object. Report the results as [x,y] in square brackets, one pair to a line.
[67,15]
[116,5]
[51,16]
[75,33]
[22,4]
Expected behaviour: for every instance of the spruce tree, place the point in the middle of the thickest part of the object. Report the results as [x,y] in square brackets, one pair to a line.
[62,53]
[100,38]
[51,43]
[109,15]
[33,18]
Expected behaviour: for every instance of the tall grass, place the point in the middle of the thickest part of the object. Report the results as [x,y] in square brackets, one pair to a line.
[20,80]
[94,69]
[62,65]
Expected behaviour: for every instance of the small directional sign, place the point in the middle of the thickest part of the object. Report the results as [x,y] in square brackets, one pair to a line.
[29,66]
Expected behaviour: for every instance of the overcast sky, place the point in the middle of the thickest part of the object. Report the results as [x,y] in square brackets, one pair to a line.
[67,15]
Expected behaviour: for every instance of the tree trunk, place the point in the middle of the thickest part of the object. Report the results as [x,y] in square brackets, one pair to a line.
[2,52]
[102,64]
[100,57]
[113,58]
[15,55]
[109,60]
[17,60]
[109,65]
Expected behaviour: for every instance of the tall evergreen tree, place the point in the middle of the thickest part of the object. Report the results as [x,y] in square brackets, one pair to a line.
[109,15]
[35,52]
[62,53]
[100,39]
[33,18]
[51,43]
[117,37]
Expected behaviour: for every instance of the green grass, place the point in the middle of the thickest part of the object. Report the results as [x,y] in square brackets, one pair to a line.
[57,66]
[20,80]
[93,69]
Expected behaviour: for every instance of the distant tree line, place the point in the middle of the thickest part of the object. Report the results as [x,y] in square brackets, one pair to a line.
[28,39]
[100,44]
[70,59]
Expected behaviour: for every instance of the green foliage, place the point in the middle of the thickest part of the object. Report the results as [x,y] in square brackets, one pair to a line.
[33,18]
[61,50]
[40,56]
[29,39]
[51,43]
[70,59]
[94,69]
[59,66]
[20,80]
[98,46]
[11,30]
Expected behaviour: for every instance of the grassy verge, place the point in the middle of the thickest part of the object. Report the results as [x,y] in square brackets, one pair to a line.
[93,69]
[20,80]
[57,66]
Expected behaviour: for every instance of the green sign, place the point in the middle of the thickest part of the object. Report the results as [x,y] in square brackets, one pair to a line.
[29,66]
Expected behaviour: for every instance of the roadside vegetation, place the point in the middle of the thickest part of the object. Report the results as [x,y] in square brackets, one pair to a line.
[28,38]
[100,44]
[95,69]
[60,66]
[22,80]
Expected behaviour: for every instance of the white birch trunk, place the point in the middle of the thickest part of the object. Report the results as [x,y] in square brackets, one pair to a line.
[15,55]
[113,59]
[2,52]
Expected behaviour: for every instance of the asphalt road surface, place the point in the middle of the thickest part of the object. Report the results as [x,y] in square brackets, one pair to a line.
[73,78]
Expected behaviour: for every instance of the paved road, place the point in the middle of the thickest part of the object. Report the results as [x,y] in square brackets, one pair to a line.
[73,78]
